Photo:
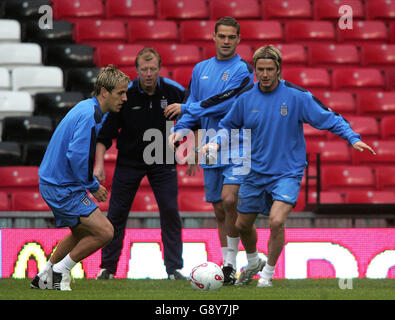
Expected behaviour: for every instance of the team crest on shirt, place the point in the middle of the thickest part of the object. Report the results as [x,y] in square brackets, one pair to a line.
[284,109]
[86,201]
[163,103]
[225,75]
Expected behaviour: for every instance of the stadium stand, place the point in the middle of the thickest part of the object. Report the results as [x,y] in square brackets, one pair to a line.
[370,197]
[127,10]
[351,71]
[28,201]
[239,9]
[182,9]
[18,178]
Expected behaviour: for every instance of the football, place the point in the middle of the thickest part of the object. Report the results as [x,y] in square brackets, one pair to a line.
[206,276]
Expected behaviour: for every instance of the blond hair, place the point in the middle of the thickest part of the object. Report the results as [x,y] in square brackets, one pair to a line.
[269,52]
[109,78]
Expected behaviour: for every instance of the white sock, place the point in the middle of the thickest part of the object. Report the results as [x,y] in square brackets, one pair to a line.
[65,265]
[268,272]
[224,254]
[46,268]
[233,248]
[253,260]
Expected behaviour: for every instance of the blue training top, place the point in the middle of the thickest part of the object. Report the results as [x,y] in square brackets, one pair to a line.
[70,155]
[276,121]
[213,89]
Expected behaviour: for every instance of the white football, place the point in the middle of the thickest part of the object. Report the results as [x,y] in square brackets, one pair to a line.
[206,276]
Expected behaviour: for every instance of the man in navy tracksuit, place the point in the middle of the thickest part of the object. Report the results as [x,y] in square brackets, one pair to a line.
[134,127]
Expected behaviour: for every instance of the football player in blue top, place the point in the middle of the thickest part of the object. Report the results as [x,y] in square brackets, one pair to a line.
[213,88]
[66,173]
[274,110]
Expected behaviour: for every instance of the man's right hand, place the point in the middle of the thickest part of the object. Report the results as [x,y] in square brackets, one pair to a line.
[101,194]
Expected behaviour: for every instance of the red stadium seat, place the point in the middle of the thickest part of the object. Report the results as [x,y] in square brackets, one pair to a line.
[363,32]
[144,201]
[178,54]
[344,178]
[377,55]
[94,32]
[73,10]
[239,9]
[308,31]
[392,32]
[182,75]
[385,177]
[119,55]
[336,152]
[4,202]
[340,102]
[380,9]
[193,200]
[329,9]
[199,32]
[376,104]
[244,50]
[130,9]
[184,180]
[112,153]
[258,33]
[390,78]
[151,31]
[366,126]
[369,197]
[286,9]
[333,55]
[326,197]
[19,178]
[182,9]
[385,154]
[387,127]
[28,201]
[308,77]
[313,134]
[293,54]
[354,79]
[312,172]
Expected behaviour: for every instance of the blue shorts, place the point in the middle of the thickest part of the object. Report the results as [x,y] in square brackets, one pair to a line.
[257,193]
[215,178]
[67,203]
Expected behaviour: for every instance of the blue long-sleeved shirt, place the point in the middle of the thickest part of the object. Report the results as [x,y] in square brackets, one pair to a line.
[213,88]
[70,155]
[276,122]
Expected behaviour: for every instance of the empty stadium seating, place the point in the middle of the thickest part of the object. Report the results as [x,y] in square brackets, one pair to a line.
[61,31]
[385,178]
[20,54]
[370,197]
[37,79]
[28,201]
[178,54]
[18,178]
[376,104]
[355,79]
[333,55]
[337,152]
[73,10]
[344,178]
[308,78]
[182,9]
[81,79]
[239,9]
[183,75]
[385,154]
[340,102]
[27,128]
[4,202]
[193,200]
[199,32]
[387,127]
[119,55]
[144,201]
[283,10]
[309,31]
[96,31]
[130,9]
[5,79]
[11,153]
[10,30]
[366,126]
[25,10]
[377,55]
[148,32]
[329,10]
[13,103]
[258,33]
[33,152]
[293,54]
[380,10]
[364,32]
[69,55]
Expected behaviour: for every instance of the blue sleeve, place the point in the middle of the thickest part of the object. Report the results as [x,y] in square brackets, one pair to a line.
[219,104]
[81,152]
[320,117]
